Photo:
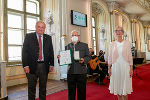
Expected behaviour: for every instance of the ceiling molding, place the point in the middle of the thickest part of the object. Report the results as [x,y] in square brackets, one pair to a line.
[96,8]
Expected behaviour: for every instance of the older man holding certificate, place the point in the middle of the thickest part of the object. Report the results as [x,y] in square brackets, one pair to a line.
[76,76]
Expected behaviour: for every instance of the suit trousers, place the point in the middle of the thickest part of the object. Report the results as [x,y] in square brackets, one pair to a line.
[32,81]
[76,82]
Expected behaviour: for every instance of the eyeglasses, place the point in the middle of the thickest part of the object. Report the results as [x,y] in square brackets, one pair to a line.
[118,31]
[75,35]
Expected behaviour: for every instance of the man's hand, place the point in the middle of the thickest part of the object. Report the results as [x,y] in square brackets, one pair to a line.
[51,68]
[81,60]
[27,70]
[58,56]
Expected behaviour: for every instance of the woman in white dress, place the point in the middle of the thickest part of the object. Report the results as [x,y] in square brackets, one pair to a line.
[120,66]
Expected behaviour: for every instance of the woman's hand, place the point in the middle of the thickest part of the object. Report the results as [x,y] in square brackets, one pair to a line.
[109,71]
[131,72]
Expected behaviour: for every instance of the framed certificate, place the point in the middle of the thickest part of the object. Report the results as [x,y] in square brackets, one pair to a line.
[65,57]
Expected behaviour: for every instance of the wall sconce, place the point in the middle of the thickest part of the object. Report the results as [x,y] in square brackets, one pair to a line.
[125,35]
[49,22]
[103,31]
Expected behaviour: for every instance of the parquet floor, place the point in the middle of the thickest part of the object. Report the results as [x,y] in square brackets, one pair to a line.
[20,92]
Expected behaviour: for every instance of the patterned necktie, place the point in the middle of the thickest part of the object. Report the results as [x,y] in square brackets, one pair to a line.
[40,48]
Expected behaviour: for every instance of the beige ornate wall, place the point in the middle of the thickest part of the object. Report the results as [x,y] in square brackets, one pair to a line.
[82,6]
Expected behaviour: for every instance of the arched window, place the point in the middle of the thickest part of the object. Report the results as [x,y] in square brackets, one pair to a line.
[94,34]
[20,18]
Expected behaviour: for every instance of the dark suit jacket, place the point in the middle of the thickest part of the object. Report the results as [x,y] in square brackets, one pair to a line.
[76,67]
[30,52]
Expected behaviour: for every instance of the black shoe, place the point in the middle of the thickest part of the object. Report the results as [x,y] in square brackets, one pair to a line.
[97,82]
[101,83]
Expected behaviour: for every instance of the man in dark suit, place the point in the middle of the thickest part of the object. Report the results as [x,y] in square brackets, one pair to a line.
[38,60]
[76,77]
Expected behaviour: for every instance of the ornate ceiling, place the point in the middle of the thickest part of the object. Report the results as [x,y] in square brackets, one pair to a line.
[96,8]
[138,8]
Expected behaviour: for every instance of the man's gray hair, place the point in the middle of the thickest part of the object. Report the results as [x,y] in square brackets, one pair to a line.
[40,21]
[75,31]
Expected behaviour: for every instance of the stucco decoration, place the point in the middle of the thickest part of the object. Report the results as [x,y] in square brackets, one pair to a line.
[49,23]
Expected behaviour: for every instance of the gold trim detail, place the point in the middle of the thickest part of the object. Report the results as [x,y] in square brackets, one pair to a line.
[64,35]
[111,12]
